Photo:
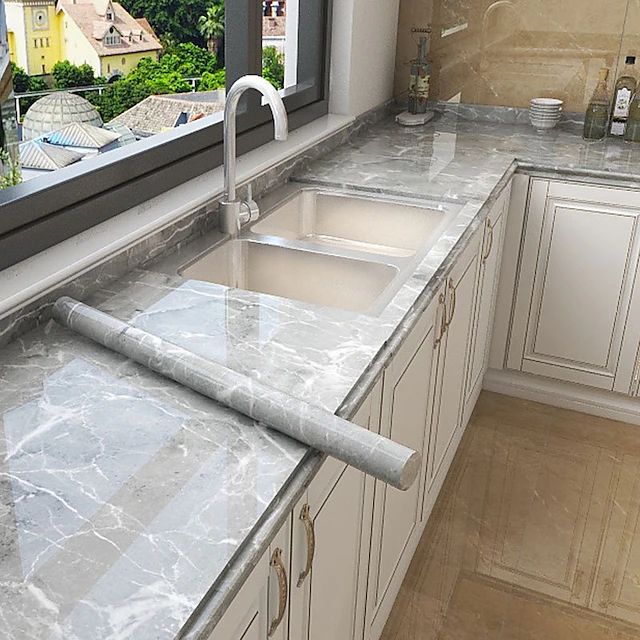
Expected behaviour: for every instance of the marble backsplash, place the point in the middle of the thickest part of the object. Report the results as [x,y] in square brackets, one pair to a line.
[504,52]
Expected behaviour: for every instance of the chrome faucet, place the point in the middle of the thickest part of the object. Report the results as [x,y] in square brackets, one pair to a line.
[235,212]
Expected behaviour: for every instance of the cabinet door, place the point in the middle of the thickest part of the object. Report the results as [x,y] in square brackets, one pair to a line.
[491,252]
[452,370]
[407,398]
[617,592]
[576,276]
[247,618]
[544,513]
[330,548]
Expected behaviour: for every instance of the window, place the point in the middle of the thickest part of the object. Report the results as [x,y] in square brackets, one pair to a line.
[113,37]
[284,40]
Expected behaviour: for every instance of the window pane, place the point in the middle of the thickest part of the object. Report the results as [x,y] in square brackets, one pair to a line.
[286,62]
[93,76]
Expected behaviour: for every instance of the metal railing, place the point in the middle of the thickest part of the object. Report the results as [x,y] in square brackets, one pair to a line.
[96,87]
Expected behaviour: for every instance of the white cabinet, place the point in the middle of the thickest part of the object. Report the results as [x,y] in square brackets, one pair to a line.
[330,547]
[407,399]
[259,611]
[456,329]
[575,283]
[491,254]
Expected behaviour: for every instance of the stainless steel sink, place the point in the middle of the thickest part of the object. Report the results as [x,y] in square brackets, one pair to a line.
[308,276]
[331,248]
[363,223]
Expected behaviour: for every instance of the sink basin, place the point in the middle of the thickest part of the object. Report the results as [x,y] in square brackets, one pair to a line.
[305,275]
[383,227]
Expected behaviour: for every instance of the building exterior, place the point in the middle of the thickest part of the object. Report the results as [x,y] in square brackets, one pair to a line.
[8,123]
[100,33]
[34,34]
[156,114]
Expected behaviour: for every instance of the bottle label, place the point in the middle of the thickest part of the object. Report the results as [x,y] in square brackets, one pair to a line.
[623,100]
[617,128]
[419,86]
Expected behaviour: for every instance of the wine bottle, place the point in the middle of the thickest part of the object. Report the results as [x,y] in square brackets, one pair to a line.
[622,93]
[632,132]
[419,79]
[596,117]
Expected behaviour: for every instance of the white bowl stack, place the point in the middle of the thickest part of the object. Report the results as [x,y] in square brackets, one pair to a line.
[545,113]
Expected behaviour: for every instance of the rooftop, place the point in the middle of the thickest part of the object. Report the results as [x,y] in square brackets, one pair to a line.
[56,110]
[160,113]
[94,24]
[37,154]
[81,134]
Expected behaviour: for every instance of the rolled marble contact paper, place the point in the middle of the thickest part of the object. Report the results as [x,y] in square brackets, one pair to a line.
[374,454]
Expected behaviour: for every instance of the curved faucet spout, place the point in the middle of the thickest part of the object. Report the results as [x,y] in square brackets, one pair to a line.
[230,208]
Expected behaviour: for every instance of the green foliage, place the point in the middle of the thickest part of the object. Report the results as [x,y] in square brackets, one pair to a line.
[67,75]
[211,25]
[23,83]
[188,60]
[273,66]
[21,80]
[10,174]
[171,18]
[211,81]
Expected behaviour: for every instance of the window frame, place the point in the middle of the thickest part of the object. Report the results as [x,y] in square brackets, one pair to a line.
[48,209]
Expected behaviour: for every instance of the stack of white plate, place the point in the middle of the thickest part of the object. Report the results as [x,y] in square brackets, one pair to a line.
[544,113]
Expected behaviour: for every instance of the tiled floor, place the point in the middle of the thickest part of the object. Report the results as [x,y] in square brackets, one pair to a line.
[535,536]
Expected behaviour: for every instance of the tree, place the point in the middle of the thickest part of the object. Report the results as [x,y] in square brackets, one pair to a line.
[21,79]
[23,83]
[188,59]
[212,81]
[176,19]
[273,66]
[149,77]
[67,75]
[211,26]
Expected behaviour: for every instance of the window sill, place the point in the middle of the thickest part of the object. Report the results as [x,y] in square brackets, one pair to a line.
[43,272]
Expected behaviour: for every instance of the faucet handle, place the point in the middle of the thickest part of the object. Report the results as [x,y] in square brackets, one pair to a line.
[250,211]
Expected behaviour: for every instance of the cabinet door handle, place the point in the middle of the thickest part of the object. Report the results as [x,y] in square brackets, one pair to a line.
[307,520]
[485,257]
[281,572]
[453,303]
[443,321]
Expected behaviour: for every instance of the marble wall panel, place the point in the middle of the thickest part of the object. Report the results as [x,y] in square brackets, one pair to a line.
[504,52]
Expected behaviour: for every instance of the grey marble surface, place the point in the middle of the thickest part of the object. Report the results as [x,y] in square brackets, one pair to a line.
[311,425]
[125,497]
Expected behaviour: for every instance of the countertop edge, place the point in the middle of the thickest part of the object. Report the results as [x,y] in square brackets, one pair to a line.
[214,605]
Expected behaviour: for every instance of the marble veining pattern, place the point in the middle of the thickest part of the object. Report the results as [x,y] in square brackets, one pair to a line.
[112,531]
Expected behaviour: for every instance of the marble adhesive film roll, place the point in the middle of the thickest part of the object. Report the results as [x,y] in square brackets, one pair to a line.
[374,454]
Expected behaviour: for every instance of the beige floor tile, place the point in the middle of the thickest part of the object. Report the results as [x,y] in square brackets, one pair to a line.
[536,515]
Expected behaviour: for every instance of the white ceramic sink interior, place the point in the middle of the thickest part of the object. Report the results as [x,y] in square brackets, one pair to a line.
[308,276]
[330,248]
[361,223]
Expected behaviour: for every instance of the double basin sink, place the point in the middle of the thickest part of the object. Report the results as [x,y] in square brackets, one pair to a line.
[330,248]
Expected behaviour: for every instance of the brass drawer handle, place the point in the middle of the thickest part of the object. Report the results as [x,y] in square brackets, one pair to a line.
[443,321]
[281,572]
[305,516]
[453,303]
[485,257]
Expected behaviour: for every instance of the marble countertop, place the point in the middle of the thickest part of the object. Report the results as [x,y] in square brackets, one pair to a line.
[125,497]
